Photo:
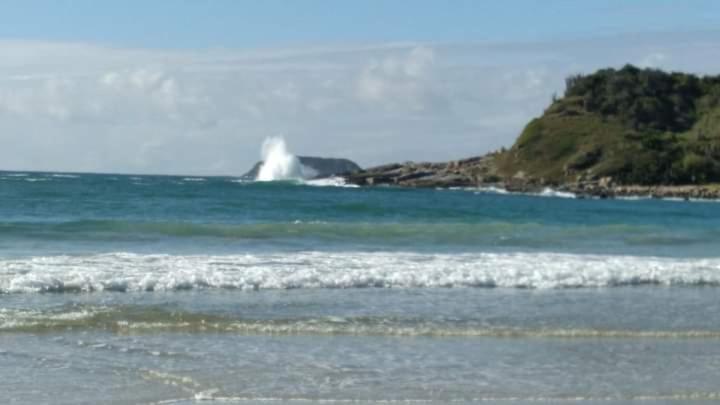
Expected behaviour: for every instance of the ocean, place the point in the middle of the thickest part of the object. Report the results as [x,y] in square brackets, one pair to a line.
[178,289]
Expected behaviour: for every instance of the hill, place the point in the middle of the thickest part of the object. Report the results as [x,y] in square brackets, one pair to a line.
[629,126]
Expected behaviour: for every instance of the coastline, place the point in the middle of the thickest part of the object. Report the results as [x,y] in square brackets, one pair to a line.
[481,173]
[677,192]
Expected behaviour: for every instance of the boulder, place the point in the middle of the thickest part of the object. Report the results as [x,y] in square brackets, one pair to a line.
[320,167]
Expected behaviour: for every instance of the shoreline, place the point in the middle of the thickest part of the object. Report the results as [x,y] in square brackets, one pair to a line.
[481,173]
[628,192]
[708,192]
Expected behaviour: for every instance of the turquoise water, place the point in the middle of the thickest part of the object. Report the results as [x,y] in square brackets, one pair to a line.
[172,289]
[100,213]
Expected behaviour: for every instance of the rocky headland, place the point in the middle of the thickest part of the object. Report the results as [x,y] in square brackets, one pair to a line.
[615,133]
[480,172]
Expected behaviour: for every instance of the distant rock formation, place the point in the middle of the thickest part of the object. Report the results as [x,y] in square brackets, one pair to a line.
[459,173]
[315,167]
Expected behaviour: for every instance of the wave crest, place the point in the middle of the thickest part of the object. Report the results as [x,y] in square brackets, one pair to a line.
[134,272]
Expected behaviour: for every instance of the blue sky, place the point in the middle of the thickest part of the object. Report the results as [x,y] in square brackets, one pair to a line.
[194,87]
[237,23]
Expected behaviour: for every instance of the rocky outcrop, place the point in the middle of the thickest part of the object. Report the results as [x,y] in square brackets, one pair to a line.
[458,173]
[482,172]
[684,192]
[315,167]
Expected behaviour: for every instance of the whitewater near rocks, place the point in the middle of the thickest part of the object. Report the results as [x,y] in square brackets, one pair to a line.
[278,163]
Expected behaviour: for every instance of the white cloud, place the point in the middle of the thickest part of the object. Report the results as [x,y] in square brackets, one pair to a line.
[91,108]
[400,82]
[653,60]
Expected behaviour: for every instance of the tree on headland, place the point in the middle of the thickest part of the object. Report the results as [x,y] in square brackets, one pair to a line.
[636,125]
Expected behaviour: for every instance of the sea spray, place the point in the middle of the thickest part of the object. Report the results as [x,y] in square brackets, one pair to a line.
[278,163]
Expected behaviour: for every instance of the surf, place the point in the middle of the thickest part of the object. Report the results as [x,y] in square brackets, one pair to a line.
[278,163]
[128,272]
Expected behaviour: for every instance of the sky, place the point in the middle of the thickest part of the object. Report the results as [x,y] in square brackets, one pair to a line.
[193,87]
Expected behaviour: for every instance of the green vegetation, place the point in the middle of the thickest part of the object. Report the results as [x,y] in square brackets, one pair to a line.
[638,126]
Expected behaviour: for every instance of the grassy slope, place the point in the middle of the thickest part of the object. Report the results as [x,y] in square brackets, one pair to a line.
[568,143]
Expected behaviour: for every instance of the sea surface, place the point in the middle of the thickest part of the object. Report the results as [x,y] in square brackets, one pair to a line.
[160,289]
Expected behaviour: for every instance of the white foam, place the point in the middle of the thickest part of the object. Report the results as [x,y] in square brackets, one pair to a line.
[546,192]
[671,199]
[65,176]
[330,182]
[134,272]
[194,179]
[278,163]
[549,192]
[633,197]
[491,189]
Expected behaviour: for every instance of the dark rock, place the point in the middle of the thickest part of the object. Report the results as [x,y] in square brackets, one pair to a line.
[459,173]
[323,167]
[482,171]
[413,176]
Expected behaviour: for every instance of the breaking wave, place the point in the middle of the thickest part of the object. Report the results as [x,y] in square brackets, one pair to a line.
[332,270]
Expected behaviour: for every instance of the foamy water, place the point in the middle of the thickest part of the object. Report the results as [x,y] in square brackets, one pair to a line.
[133,272]
[330,182]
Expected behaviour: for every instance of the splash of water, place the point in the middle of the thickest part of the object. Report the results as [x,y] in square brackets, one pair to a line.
[278,163]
